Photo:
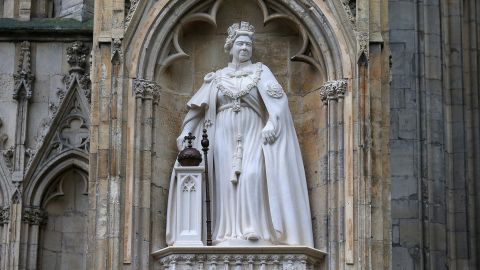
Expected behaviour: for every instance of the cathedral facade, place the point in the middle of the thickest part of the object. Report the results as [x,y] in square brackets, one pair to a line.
[384,97]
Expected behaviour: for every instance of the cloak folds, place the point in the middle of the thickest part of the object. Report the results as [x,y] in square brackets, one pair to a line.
[286,183]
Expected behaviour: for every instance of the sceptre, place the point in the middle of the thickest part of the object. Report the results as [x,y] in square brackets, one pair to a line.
[205,144]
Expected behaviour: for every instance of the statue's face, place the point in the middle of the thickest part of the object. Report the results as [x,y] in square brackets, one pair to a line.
[242,49]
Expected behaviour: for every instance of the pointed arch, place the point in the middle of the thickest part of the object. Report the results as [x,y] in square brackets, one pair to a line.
[334,43]
[36,188]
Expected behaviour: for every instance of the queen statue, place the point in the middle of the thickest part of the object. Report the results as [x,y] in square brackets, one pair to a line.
[255,165]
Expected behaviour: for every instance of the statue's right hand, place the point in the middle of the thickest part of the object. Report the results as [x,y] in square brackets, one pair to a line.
[180,142]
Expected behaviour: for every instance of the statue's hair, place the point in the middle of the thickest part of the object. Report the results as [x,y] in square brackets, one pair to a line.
[236,30]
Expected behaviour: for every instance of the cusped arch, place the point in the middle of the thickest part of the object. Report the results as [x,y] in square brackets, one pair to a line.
[330,45]
[48,174]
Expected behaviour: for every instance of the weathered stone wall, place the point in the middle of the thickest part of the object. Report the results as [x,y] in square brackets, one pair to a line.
[44,133]
[63,239]
[80,10]
[434,134]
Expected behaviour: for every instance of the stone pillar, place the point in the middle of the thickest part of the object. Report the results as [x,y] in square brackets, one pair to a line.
[107,155]
[332,94]
[16,155]
[33,218]
[136,236]
[189,205]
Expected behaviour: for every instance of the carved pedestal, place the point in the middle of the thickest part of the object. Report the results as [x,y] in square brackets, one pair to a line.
[189,206]
[264,258]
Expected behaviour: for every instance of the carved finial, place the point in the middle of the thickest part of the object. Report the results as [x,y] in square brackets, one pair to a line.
[77,57]
[24,77]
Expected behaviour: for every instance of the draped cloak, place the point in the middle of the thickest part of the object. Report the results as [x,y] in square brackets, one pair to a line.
[288,202]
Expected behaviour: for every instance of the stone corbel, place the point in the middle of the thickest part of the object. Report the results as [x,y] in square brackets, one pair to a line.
[116,49]
[333,90]
[363,40]
[24,77]
[34,216]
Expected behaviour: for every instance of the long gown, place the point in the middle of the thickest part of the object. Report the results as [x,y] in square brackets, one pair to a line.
[242,205]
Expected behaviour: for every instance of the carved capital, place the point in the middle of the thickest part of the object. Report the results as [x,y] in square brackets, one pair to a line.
[333,90]
[4,215]
[24,77]
[145,89]
[34,215]
[77,57]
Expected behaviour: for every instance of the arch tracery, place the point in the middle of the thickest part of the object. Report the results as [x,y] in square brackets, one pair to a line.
[161,42]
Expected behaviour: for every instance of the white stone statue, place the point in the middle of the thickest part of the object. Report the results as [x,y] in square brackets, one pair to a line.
[255,165]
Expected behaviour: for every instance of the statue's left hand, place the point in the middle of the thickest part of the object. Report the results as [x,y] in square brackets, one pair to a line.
[268,133]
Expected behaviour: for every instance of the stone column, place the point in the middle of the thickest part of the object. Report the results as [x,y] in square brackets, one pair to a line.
[107,155]
[138,188]
[22,93]
[4,221]
[332,94]
[33,218]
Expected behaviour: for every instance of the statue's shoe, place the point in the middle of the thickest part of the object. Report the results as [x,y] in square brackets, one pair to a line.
[251,236]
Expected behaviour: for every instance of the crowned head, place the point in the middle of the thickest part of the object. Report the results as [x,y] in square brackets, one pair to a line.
[236,30]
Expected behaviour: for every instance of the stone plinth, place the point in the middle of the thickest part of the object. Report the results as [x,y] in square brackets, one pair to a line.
[264,258]
[188,206]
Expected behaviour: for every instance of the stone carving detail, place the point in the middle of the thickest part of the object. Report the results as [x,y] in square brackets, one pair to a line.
[145,89]
[3,137]
[117,48]
[34,216]
[350,7]
[73,132]
[363,39]
[333,90]
[239,261]
[239,156]
[8,155]
[24,77]
[77,56]
[307,53]
[4,215]
[133,4]
[189,185]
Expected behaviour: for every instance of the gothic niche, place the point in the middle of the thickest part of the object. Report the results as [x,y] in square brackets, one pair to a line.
[63,234]
[195,48]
